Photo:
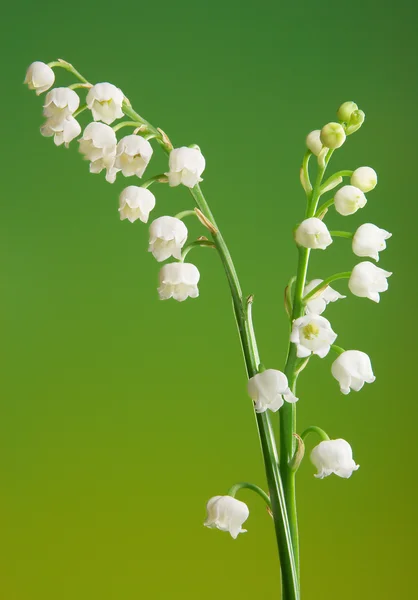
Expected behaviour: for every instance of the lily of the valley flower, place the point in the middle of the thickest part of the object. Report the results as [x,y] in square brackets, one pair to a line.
[63,130]
[136,203]
[368,281]
[333,135]
[313,335]
[333,456]
[185,166]
[346,110]
[226,514]
[269,390]
[352,369]
[105,102]
[313,142]
[167,237]
[369,240]
[349,199]
[39,77]
[313,233]
[318,304]
[179,281]
[133,154]
[98,144]
[61,103]
[364,178]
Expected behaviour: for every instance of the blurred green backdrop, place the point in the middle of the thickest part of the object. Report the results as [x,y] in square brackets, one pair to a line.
[121,415]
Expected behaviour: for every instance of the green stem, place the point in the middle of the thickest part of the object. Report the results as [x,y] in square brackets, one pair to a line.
[162,178]
[196,244]
[249,486]
[63,64]
[343,234]
[337,349]
[185,213]
[80,110]
[324,283]
[313,429]
[126,124]
[324,207]
[335,176]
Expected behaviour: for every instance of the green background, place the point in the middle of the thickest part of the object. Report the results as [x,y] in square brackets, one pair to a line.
[121,415]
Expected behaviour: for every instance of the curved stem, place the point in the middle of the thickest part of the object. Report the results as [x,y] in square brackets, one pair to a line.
[324,207]
[336,176]
[126,124]
[343,234]
[325,283]
[80,110]
[249,486]
[185,213]
[337,349]
[313,429]
[196,244]
[156,179]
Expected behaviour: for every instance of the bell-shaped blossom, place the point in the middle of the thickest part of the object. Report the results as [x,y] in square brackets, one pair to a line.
[269,390]
[368,281]
[39,77]
[346,110]
[313,142]
[348,200]
[364,178]
[179,281]
[312,334]
[64,131]
[98,144]
[167,237]
[317,305]
[333,135]
[185,166]
[352,369]
[133,154]
[105,102]
[313,233]
[226,514]
[333,456]
[136,203]
[369,240]
[61,103]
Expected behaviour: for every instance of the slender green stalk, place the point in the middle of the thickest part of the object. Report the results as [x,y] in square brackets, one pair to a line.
[325,283]
[156,179]
[335,176]
[314,429]
[337,349]
[185,213]
[324,207]
[249,486]
[196,244]
[126,124]
[343,234]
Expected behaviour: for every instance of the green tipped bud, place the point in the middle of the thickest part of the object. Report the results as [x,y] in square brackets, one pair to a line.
[333,135]
[355,122]
[346,110]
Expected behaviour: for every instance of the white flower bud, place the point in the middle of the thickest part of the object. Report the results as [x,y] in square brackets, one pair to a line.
[318,304]
[61,103]
[268,390]
[346,110]
[352,369]
[364,178]
[64,131]
[333,456]
[356,121]
[313,142]
[98,144]
[333,135]
[133,154]
[179,281]
[226,514]
[186,166]
[367,281]
[369,240]
[105,102]
[313,233]
[39,77]
[167,237]
[313,335]
[348,200]
[136,203]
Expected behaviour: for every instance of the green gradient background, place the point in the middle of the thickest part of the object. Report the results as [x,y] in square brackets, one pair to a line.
[121,415]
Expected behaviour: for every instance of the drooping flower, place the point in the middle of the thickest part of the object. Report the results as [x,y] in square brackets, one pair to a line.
[61,103]
[364,178]
[136,203]
[313,335]
[269,390]
[333,456]
[346,110]
[98,144]
[105,102]
[39,77]
[369,240]
[333,135]
[64,130]
[133,154]
[318,304]
[179,281]
[313,233]
[352,369]
[226,514]
[368,281]
[349,199]
[313,142]
[185,166]
[167,237]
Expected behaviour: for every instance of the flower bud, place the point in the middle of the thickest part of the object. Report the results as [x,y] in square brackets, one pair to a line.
[352,369]
[313,142]
[355,122]
[167,237]
[105,102]
[365,178]
[179,281]
[333,135]
[348,200]
[346,110]
[269,389]
[136,203]
[367,281]
[64,131]
[226,514]
[312,334]
[369,240]
[313,233]
[185,166]
[39,77]
[317,304]
[61,103]
[333,456]
[133,154]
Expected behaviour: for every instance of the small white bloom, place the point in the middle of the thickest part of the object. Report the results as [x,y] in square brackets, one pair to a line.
[179,281]
[352,369]
[364,178]
[318,304]
[186,166]
[346,110]
[98,145]
[269,389]
[133,154]
[333,456]
[167,237]
[367,281]
[313,335]
[136,203]
[313,142]
[105,102]
[313,233]
[61,103]
[333,135]
[39,77]
[226,514]
[64,131]
[369,240]
[348,200]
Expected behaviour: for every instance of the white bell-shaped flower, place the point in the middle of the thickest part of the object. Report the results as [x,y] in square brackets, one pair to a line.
[64,131]
[136,203]
[313,142]
[348,200]
[313,335]
[369,240]
[226,514]
[167,237]
[133,154]
[333,456]
[318,304]
[269,390]
[364,178]
[105,102]
[352,369]
[98,144]
[39,77]
[313,233]
[368,281]
[61,103]
[179,281]
[333,135]
[185,166]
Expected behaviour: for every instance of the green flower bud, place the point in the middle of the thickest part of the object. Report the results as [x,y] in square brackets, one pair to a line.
[346,110]
[333,135]
[355,122]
